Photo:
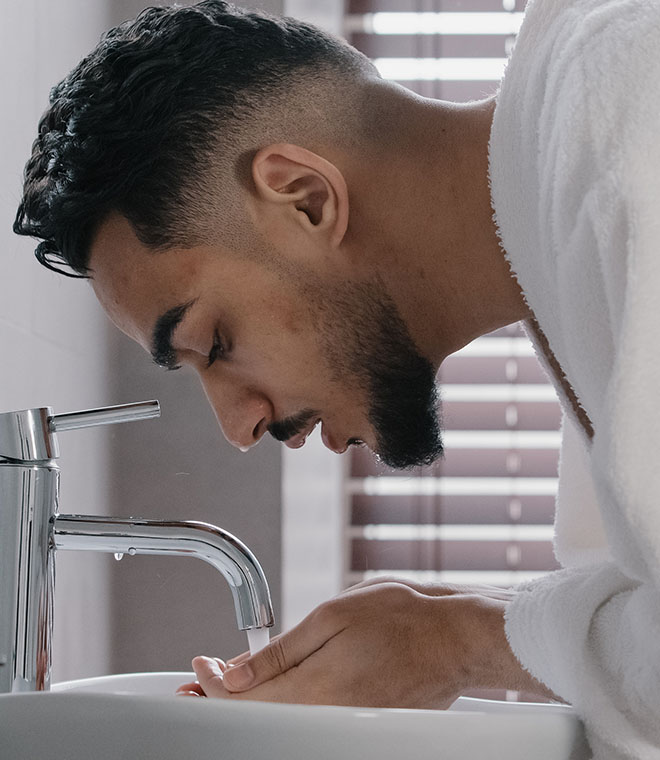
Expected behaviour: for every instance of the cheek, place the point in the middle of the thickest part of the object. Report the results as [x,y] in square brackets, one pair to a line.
[285,322]
[285,332]
[294,324]
[292,317]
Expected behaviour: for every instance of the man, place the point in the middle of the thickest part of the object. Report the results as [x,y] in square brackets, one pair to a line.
[250,199]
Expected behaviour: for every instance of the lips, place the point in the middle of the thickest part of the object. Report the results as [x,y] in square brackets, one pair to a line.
[329,441]
[296,441]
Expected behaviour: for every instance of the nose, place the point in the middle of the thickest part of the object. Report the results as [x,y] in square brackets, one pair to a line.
[243,413]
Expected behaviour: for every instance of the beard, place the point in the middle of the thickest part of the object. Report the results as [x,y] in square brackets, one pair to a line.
[367,342]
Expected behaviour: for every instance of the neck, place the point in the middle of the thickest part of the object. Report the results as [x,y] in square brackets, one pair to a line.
[437,248]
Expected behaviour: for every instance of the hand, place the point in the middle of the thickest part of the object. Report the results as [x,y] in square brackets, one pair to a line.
[382,644]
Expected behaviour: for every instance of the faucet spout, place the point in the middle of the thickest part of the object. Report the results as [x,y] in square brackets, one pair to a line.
[187,538]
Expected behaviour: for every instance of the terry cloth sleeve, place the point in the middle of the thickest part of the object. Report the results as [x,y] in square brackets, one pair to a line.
[592,632]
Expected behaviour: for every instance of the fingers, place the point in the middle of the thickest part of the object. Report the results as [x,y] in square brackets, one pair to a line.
[211,684]
[209,672]
[192,689]
[182,692]
[284,651]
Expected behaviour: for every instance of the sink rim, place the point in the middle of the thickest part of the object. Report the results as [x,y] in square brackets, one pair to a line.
[68,722]
[162,684]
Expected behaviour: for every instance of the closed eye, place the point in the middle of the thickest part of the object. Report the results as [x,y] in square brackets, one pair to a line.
[217,350]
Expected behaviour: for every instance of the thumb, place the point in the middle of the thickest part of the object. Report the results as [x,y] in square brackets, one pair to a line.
[274,659]
[283,653]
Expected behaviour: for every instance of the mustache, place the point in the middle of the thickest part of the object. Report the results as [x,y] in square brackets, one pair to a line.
[284,429]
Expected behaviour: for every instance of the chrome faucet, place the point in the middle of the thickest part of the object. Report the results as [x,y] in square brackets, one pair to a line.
[31,530]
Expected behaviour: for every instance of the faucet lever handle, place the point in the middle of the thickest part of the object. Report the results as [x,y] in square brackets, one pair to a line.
[29,435]
[108,415]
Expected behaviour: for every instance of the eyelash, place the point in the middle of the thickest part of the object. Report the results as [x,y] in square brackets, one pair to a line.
[217,350]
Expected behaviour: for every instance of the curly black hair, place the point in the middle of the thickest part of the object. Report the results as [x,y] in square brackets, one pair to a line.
[134,127]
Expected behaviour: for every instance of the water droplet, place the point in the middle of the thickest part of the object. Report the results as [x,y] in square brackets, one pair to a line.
[132,551]
[119,555]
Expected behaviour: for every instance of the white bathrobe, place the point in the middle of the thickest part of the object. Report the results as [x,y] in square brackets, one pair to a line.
[575,180]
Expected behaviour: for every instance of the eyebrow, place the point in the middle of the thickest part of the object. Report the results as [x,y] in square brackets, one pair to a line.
[162,351]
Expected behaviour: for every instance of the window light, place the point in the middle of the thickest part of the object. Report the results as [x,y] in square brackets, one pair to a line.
[448,69]
[435,23]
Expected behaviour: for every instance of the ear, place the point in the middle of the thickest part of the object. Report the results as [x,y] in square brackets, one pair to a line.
[305,185]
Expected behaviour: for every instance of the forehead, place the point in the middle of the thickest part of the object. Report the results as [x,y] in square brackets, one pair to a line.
[135,284]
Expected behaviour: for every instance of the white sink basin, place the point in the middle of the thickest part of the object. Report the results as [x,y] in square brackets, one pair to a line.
[135,716]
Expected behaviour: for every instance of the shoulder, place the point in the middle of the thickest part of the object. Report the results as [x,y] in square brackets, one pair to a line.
[580,95]
[583,42]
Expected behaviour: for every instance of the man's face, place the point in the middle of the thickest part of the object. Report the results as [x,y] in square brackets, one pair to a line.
[275,352]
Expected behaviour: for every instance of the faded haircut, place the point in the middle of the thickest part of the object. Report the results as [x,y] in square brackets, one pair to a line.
[142,123]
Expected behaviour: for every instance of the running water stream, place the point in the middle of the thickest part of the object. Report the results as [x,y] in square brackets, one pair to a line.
[258,638]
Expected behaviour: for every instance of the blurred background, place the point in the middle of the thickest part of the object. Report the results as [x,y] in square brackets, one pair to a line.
[317,522]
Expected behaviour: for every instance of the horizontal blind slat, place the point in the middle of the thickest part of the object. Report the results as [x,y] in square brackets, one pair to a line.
[459,532]
[437,23]
[467,69]
[491,369]
[498,392]
[452,555]
[497,346]
[501,416]
[412,6]
[484,462]
[502,439]
[407,46]
[452,509]
[504,486]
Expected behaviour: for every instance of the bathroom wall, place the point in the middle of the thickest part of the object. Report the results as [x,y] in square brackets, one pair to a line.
[57,348]
[167,610]
[52,335]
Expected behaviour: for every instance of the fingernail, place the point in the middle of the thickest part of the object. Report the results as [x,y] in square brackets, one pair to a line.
[240,677]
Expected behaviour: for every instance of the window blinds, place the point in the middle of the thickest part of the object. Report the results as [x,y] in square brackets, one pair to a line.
[484,514]
[450,49]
